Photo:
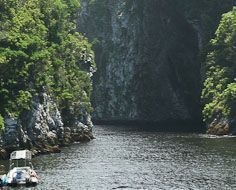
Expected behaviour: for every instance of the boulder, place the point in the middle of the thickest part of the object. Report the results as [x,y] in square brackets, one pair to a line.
[220,126]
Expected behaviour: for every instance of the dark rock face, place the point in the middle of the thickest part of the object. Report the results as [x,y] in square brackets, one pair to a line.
[168,72]
[148,58]
[147,61]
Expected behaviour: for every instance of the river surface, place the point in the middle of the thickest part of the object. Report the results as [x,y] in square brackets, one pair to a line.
[135,158]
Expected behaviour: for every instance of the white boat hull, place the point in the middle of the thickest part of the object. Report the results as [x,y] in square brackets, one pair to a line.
[21,176]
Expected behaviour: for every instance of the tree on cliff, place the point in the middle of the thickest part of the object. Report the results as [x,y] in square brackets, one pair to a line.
[39,52]
[219,93]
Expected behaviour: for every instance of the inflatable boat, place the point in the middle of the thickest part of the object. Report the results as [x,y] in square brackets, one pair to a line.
[21,171]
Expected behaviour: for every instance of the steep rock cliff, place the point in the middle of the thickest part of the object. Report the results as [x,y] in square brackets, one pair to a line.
[45,76]
[148,56]
[42,129]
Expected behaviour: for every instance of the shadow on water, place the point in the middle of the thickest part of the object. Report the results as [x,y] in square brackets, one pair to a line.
[186,126]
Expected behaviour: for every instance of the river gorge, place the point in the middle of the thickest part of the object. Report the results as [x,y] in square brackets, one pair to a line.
[131,94]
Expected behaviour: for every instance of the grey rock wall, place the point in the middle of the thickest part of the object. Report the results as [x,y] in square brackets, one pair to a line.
[42,129]
[147,61]
[148,55]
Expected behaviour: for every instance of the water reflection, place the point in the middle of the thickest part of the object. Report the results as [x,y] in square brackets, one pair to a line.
[133,158]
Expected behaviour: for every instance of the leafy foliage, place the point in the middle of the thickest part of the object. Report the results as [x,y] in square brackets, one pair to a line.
[219,93]
[1,123]
[40,51]
[206,13]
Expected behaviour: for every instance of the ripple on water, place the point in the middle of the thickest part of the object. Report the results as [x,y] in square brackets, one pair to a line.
[130,158]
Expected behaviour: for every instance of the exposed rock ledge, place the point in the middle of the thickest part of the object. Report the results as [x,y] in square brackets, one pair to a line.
[42,130]
[222,126]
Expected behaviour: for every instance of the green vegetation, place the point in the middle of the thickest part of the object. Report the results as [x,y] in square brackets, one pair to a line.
[219,93]
[207,13]
[40,51]
[1,123]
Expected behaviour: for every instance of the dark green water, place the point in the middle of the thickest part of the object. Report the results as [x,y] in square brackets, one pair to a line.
[134,158]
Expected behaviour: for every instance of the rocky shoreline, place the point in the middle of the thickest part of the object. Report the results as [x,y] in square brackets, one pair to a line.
[42,129]
[222,126]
